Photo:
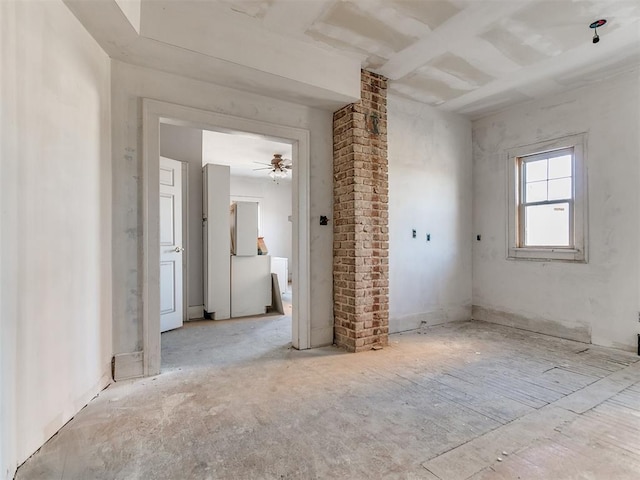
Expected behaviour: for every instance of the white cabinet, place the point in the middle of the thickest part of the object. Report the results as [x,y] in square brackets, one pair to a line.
[250,285]
[217,243]
[244,228]
[280,266]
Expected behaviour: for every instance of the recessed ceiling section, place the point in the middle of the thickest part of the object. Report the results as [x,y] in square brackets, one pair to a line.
[363,27]
[337,39]
[493,103]
[432,13]
[425,89]
[512,46]
[348,16]
[461,69]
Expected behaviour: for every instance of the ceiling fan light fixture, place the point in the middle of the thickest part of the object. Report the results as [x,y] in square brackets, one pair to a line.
[277,174]
[279,167]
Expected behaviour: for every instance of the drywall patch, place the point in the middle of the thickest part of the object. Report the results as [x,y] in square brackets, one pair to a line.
[461,69]
[512,46]
[432,13]
[421,87]
[350,18]
[339,43]
[578,332]
[373,62]
[493,103]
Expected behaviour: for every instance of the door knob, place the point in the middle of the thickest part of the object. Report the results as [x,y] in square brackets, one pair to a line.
[179,249]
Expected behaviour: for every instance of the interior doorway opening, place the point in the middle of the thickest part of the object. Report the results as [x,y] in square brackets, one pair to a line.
[237,190]
[156,113]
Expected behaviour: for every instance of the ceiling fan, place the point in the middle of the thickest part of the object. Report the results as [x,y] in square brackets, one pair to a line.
[279,167]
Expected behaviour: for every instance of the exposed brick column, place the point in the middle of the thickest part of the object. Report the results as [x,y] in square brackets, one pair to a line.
[361,214]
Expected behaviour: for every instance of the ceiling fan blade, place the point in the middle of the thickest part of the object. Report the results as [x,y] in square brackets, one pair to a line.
[263,168]
[262,163]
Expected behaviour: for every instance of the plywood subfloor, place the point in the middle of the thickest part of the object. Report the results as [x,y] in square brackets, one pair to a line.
[463,400]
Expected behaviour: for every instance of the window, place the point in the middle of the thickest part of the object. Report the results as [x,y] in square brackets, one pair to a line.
[547,214]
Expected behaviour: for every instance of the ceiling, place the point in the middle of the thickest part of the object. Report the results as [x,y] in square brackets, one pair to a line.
[467,56]
[242,152]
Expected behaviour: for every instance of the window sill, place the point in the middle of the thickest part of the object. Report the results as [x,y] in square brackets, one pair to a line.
[547,254]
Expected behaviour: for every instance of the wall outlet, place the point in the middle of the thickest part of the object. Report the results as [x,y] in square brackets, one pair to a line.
[428,237]
[413,233]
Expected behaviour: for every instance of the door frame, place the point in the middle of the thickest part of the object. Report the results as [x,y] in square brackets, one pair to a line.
[153,113]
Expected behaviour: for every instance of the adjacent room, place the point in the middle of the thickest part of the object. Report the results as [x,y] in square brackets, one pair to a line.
[232,293]
[319,239]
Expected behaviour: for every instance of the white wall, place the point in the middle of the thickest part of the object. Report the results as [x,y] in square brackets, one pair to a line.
[430,191]
[129,85]
[185,144]
[598,300]
[55,228]
[275,209]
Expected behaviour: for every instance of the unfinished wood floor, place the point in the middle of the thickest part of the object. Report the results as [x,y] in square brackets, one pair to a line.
[460,401]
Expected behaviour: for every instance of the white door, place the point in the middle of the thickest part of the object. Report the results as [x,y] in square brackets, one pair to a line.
[171,257]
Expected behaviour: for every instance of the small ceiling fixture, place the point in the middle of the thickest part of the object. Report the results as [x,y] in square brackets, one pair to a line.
[595,25]
[279,167]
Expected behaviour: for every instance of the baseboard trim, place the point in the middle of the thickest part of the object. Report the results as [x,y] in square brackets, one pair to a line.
[196,312]
[127,365]
[577,332]
[434,317]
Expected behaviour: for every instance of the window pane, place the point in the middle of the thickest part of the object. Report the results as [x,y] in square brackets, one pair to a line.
[560,167]
[536,192]
[547,225]
[560,189]
[536,170]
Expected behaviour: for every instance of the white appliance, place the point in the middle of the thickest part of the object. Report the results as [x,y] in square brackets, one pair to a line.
[280,266]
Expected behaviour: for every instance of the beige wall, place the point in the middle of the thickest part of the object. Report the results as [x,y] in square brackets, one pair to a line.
[55,253]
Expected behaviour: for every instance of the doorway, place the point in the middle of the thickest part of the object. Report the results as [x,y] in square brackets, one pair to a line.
[224,173]
[155,113]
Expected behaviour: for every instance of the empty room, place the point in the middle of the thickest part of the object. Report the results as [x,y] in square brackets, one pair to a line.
[320,239]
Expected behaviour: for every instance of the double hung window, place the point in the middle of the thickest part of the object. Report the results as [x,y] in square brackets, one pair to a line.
[547,214]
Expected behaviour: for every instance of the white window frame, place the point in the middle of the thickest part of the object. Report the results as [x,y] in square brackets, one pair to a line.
[578,227]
